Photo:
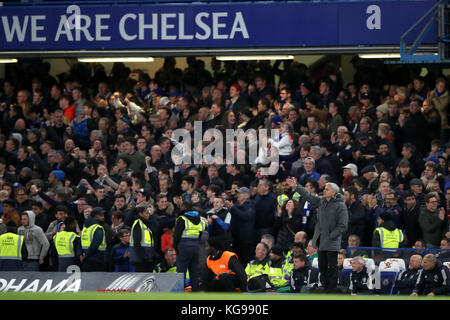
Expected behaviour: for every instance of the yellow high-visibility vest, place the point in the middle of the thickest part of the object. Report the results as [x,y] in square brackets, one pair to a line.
[146,236]
[64,243]
[11,246]
[191,230]
[88,233]
[390,239]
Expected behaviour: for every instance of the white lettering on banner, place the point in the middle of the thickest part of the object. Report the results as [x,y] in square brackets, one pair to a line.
[239,25]
[47,287]
[122,31]
[17,287]
[17,29]
[153,26]
[35,28]
[84,28]
[63,286]
[164,26]
[217,25]
[63,29]
[181,34]
[100,27]
[374,21]
[199,22]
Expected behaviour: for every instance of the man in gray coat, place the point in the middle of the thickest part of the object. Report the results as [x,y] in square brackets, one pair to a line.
[332,222]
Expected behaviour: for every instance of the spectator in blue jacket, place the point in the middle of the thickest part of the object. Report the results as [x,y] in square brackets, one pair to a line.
[121,253]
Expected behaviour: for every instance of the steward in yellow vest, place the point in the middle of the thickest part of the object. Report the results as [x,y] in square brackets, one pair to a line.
[68,245]
[93,242]
[387,235]
[276,270]
[12,249]
[142,241]
[257,270]
[186,238]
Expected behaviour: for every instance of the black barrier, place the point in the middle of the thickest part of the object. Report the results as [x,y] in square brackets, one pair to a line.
[90,281]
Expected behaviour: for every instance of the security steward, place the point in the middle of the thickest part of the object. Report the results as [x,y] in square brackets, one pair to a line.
[288,193]
[387,235]
[143,254]
[12,250]
[296,248]
[68,245]
[93,242]
[277,273]
[223,271]
[186,238]
[257,269]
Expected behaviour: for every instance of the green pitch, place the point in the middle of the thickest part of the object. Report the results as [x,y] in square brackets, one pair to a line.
[196,296]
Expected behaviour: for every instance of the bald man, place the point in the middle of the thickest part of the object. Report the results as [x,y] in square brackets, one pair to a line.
[434,279]
[406,280]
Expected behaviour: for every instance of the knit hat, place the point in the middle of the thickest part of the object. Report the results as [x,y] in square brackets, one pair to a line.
[385,216]
[59,174]
[383,108]
[277,119]
[415,182]
[215,242]
[277,250]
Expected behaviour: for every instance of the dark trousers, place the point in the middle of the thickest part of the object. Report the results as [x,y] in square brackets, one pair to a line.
[92,266]
[188,260]
[143,266]
[328,270]
[225,283]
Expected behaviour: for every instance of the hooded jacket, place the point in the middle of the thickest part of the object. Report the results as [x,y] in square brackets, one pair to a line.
[332,220]
[34,238]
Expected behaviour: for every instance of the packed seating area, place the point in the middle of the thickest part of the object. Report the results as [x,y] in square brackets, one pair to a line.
[89,148]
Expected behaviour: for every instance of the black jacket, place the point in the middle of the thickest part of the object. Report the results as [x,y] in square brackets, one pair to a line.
[413,232]
[406,280]
[265,209]
[356,219]
[306,276]
[362,282]
[436,280]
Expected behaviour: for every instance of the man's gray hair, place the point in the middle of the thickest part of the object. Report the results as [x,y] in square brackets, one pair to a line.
[317,150]
[334,187]
[430,257]
[359,260]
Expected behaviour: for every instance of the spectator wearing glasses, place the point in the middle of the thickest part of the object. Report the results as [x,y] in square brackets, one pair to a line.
[432,221]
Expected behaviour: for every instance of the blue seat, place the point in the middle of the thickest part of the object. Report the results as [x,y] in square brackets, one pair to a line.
[388,271]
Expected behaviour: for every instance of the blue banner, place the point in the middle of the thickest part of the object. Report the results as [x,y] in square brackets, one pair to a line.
[240,25]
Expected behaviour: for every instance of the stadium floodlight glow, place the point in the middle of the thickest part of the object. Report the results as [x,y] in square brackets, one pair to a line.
[8,60]
[117,59]
[234,58]
[379,56]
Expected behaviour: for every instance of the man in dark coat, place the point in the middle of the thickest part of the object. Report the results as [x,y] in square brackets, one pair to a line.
[407,279]
[242,225]
[434,279]
[332,222]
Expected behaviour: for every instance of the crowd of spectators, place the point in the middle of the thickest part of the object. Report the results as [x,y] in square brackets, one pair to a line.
[89,139]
